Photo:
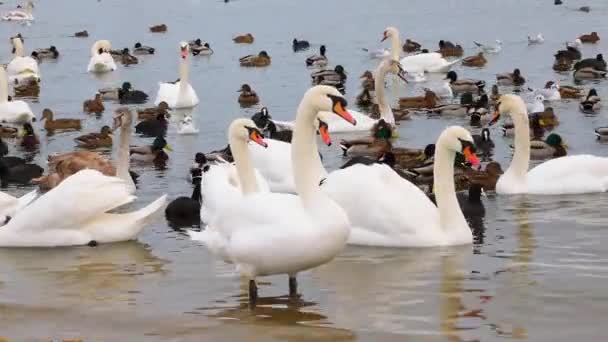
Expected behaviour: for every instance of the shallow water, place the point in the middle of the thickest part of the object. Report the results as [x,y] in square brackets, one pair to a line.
[537,273]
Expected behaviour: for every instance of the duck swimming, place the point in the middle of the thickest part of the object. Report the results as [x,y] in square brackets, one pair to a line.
[140,49]
[319,60]
[128,95]
[244,39]
[248,96]
[464,85]
[50,53]
[591,104]
[151,153]
[93,106]
[299,45]
[511,79]
[153,127]
[96,140]
[51,124]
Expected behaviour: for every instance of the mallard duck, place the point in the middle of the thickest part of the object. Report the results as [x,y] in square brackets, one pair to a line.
[29,141]
[199,49]
[597,63]
[589,74]
[571,52]
[411,46]
[537,130]
[552,147]
[299,45]
[412,159]
[449,49]
[335,77]
[601,133]
[81,34]
[27,88]
[494,94]
[128,95]
[479,117]
[244,39]
[96,140]
[94,106]
[126,58]
[591,104]
[8,132]
[248,96]
[367,80]
[462,85]
[484,143]
[156,127]
[50,53]
[319,60]
[262,59]
[51,124]
[151,153]
[568,92]
[486,178]
[365,98]
[140,49]
[547,117]
[450,109]
[562,64]
[158,28]
[592,38]
[475,61]
[429,100]
[398,113]
[375,145]
[152,112]
[511,79]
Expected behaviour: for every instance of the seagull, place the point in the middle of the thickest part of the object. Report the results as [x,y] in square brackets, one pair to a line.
[538,39]
[490,49]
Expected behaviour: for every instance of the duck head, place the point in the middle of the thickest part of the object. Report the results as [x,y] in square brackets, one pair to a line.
[160,144]
[452,76]
[322,50]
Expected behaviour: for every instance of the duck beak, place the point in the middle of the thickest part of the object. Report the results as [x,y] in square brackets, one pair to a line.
[495,118]
[323,131]
[257,138]
[343,113]
[471,157]
[168,148]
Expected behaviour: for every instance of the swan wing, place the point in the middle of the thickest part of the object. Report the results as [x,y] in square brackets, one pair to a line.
[274,164]
[339,125]
[21,65]
[167,92]
[569,175]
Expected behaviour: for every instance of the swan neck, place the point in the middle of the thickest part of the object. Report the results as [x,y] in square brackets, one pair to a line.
[3,86]
[18,45]
[183,74]
[244,166]
[122,158]
[395,46]
[303,150]
[521,155]
[450,214]
[386,112]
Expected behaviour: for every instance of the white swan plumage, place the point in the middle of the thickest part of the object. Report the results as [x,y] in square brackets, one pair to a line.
[101,60]
[224,183]
[388,211]
[24,14]
[187,127]
[179,94]
[422,62]
[59,218]
[10,205]
[17,112]
[565,175]
[269,233]
[21,68]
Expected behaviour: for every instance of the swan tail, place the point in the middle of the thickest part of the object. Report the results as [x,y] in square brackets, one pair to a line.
[144,215]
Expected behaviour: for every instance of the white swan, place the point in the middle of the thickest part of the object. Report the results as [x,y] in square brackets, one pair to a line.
[179,94]
[423,62]
[565,175]
[101,60]
[224,184]
[60,218]
[268,233]
[10,205]
[187,127]
[389,211]
[123,118]
[17,112]
[21,68]
[24,14]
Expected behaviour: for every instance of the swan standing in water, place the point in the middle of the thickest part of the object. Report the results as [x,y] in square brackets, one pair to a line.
[17,112]
[179,94]
[423,62]
[565,175]
[389,211]
[21,69]
[268,233]
[75,213]
[101,60]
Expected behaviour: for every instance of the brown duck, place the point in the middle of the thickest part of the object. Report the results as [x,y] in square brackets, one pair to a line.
[158,28]
[592,38]
[50,124]
[429,100]
[243,39]
[260,60]
[94,106]
[475,61]
[96,140]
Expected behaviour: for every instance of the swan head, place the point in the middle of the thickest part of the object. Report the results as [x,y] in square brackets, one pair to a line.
[245,130]
[183,50]
[122,118]
[101,46]
[390,32]
[509,104]
[459,140]
[324,98]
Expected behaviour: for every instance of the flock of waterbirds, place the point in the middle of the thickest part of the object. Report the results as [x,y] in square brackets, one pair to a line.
[265,202]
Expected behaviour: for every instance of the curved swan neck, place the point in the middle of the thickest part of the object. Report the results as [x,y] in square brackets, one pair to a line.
[183,74]
[122,158]
[18,45]
[395,46]
[450,214]
[303,149]
[386,112]
[521,156]
[242,160]
[3,86]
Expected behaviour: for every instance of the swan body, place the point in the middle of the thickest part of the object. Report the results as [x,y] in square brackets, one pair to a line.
[269,233]
[21,68]
[101,60]
[10,205]
[376,207]
[19,14]
[187,127]
[61,219]
[179,94]
[565,175]
[17,112]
